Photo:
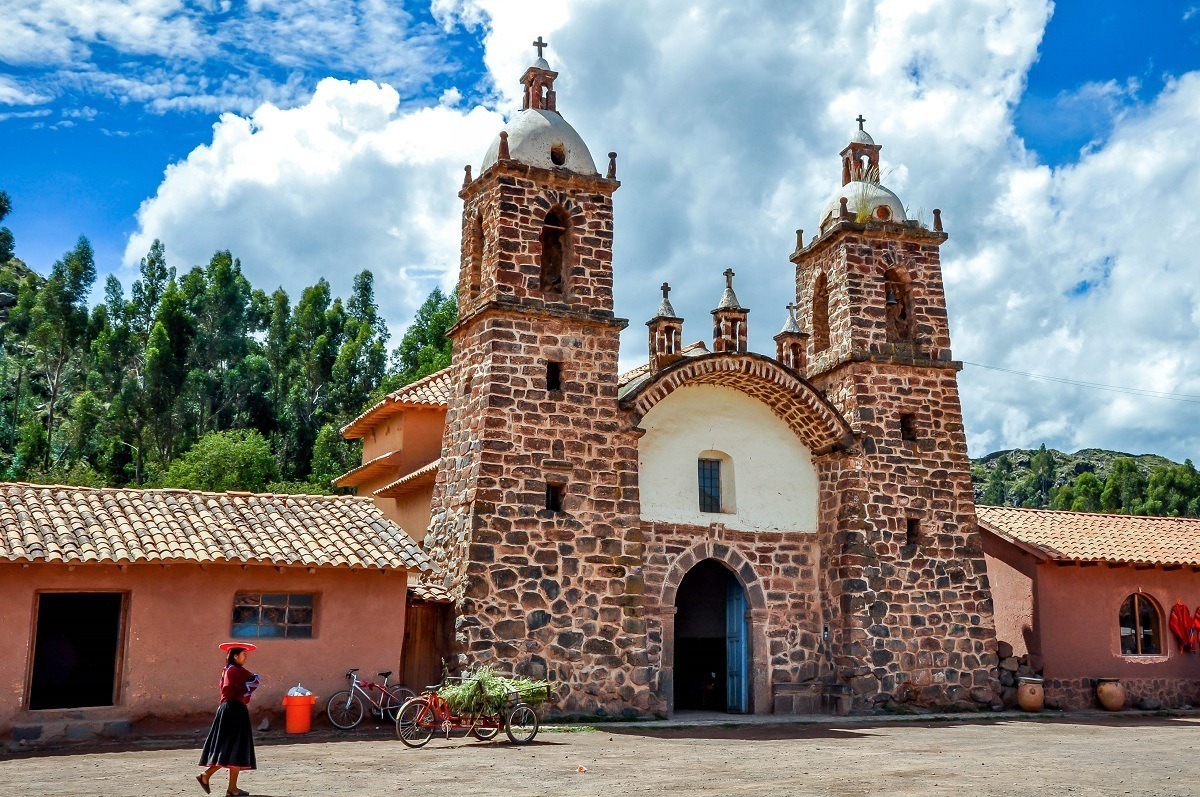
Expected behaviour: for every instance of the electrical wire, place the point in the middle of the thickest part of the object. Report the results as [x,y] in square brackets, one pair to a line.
[1131,391]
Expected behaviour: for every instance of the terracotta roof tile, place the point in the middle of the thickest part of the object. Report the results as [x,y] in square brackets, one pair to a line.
[1089,537]
[428,592]
[380,465]
[80,524]
[421,477]
[432,391]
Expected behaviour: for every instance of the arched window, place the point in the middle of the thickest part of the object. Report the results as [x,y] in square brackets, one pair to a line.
[556,242]
[475,259]
[1141,629]
[714,480]
[820,314]
[897,304]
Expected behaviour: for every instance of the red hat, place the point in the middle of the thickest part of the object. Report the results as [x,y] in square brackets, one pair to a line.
[228,646]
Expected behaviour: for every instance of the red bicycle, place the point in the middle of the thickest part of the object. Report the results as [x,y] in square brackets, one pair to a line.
[346,710]
[421,717]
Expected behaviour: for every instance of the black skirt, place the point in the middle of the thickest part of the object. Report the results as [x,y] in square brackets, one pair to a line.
[229,743]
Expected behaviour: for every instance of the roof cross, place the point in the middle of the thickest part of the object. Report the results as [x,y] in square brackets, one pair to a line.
[539,44]
[860,121]
[728,278]
[665,289]
[791,307]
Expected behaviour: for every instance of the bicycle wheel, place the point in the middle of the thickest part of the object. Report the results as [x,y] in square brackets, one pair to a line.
[521,725]
[488,732]
[392,699]
[345,710]
[415,723]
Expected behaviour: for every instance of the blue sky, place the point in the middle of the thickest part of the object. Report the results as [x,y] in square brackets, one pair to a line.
[317,138]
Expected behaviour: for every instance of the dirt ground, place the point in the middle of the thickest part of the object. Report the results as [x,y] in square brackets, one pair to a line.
[1137,756]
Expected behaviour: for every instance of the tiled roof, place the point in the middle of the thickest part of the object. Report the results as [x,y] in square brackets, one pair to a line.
[421,477]
[432,391]
[1088,537]
[428,592]
[380,465]
[626,381]
[40,523]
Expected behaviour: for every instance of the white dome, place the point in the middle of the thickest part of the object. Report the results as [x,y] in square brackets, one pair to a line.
[861,137]
[859,193]
[540,138]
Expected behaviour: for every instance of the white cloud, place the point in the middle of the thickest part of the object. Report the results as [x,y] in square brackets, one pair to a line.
[13,93]
[728,119]
[344,182]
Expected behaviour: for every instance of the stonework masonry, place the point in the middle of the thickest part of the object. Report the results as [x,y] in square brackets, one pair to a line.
[536,528]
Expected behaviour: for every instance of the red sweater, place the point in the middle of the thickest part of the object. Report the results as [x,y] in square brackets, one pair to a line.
[237,683]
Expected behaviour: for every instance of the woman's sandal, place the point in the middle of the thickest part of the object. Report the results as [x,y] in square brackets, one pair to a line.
[203,784]
[237,793]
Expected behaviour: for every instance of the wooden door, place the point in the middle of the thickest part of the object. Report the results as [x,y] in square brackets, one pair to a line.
[426,642]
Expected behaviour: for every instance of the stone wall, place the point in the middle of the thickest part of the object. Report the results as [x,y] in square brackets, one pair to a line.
[909,603]
[1149,694]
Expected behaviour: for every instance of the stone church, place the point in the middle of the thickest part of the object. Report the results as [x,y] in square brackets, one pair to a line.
[717,529]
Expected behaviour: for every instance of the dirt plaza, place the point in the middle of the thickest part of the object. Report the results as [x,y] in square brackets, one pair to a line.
[1142,755]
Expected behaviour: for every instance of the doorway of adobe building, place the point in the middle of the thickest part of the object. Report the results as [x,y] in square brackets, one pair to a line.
[76,649]
[428,628]
[712,664]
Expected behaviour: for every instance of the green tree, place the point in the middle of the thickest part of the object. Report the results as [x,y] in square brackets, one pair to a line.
[1124,489]
[6,236]
[1034,490]
[332,455]
[425,348]
[238,459]
[1173,491]
[995,490]
[1087,493]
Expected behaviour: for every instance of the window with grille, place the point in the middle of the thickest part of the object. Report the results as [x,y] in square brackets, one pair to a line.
[709,479]
[273,614]
[1140,628]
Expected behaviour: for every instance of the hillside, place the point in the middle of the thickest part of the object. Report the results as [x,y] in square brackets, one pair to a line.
[1091,479]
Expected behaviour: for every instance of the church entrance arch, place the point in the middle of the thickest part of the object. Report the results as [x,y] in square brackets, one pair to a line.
[714,652]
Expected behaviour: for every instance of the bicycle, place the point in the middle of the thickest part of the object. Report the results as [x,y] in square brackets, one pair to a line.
[421,717]
[346,710]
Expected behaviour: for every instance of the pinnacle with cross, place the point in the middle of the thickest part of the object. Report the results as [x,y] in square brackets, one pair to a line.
[860,121]
[728,278]
[665,289]
[540,45]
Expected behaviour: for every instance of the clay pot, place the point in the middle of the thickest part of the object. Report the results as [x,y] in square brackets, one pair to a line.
[1111,693]
[1030,695]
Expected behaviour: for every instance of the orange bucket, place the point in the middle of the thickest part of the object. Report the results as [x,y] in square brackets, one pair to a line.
[299,713]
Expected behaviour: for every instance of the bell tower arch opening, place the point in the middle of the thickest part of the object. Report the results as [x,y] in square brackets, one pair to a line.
[556,248]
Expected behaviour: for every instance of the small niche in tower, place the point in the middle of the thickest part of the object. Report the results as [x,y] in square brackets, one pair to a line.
[554,376]
[558,154]
[555,493]
[908,428]
[912,531]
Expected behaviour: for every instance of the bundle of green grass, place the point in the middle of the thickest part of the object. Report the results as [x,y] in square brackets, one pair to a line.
[484,691]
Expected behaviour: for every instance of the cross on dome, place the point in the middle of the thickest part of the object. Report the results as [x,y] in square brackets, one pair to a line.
[666,289]
[860,121]
[540,45]
[729,278]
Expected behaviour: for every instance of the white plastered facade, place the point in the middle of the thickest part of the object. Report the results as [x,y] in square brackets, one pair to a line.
[774,481]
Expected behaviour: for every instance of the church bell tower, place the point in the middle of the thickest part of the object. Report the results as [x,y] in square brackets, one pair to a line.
[909,608]
[536,499]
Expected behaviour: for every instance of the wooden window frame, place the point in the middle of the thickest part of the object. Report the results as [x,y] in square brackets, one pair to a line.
[312,624]
[1138,629]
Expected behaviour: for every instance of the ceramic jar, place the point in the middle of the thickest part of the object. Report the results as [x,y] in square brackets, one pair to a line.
[1030,694]
[1110,693]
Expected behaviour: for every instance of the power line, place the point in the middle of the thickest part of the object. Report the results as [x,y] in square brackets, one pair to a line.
[1131,391]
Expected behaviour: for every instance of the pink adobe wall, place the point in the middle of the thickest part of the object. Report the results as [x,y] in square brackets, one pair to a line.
[1011,573]
[417,434]
[1077,610]
[176,617]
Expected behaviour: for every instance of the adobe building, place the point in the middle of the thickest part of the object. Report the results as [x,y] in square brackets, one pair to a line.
[1088,596]
[718,528]
[113,601]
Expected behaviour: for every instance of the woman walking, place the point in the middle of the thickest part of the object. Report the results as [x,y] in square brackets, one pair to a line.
[230,744]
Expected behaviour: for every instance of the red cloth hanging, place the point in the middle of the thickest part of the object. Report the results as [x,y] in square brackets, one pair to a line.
[1194,639]
[1184,626]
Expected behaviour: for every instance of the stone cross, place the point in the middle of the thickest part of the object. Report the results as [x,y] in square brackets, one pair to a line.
[665,289]
[791,308]
[728,278]
[539,44]
[860,121]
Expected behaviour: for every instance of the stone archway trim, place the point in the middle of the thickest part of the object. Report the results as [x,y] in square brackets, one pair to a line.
[730,557]
[813,419]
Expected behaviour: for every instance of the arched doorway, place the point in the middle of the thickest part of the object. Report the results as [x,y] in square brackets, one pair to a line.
[712,641]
